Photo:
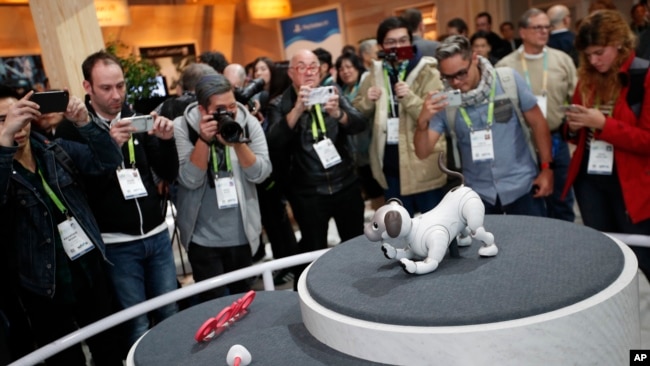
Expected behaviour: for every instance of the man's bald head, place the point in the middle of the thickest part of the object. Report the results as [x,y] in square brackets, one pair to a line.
[236,75]
[303,69]
[559,16]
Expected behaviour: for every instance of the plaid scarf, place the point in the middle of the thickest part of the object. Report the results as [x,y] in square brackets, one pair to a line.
[482,92]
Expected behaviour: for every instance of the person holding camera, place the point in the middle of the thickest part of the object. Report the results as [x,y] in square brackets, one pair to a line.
[222,154]
[52,247]
[127,203]
[392,95]
[309,129]
[489,131]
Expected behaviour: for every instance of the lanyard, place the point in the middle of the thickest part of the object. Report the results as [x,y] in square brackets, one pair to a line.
[321,122]
[524,64]
[490,116]
[52,195]
[215,159]
[131,152]
[400,77]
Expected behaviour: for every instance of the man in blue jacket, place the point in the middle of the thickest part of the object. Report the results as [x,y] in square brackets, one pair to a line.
[49,232]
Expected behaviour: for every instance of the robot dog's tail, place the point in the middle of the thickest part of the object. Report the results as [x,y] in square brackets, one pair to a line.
[446,170]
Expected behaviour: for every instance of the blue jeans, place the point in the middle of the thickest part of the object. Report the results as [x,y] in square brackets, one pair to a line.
[524,205]
[141,270]
[419,202]
[556,207]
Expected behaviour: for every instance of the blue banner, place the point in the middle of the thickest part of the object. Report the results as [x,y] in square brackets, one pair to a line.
[313,28]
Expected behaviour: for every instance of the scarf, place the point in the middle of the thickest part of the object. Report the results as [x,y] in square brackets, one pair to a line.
[482,92]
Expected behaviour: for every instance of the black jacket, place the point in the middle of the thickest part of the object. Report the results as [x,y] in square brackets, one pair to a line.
[292,150]
[136,216]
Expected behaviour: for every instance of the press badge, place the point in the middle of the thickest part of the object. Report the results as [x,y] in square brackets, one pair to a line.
[131,183]
[601,158]
[226,192]
[542,103]
[482,146]
[327,153]
[392,131]
[75,241]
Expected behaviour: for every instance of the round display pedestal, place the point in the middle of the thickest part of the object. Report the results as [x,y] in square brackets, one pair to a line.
[353,301]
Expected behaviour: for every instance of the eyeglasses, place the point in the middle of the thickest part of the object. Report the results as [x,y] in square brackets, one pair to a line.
[460,75]
[392,42]
[539,28]
[302,69]
[226,317]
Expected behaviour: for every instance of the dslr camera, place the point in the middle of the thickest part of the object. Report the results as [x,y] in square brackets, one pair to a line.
[244,95]
[229,129]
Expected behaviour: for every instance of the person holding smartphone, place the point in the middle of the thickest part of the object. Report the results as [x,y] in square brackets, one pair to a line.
[127,203]
[391,96]
[610,124]
[51,241]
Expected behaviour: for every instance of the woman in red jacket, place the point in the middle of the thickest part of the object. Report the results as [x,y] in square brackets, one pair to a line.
[610,124]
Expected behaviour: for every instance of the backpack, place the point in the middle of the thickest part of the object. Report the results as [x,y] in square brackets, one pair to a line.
[637,74]
[507,79]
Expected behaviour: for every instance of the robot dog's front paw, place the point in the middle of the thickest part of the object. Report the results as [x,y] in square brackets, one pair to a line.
[408,265]
[389,251]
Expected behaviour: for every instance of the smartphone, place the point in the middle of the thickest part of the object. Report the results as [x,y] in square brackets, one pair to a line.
[141,123]
[568,108]
[397,53]
[320,95]
[51,101]
[453,98]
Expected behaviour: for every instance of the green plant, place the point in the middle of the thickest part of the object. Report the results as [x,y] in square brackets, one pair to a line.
[139,73]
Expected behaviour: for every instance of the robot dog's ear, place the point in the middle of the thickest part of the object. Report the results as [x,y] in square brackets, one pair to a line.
[393,223]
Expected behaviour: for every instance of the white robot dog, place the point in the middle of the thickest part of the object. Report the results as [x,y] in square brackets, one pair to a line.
[426,237]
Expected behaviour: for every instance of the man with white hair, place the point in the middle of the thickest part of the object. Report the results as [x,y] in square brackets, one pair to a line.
[311,139]
[561,37]
[236,75]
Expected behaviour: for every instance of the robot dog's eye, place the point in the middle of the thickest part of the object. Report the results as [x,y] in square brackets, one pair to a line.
[375,226]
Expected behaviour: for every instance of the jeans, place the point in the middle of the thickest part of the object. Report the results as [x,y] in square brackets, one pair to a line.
[556,207]
[600,199]
[419,202]
[142,269]
[524,205]
[208,262]
[52,319]
[313,212]
[276,221]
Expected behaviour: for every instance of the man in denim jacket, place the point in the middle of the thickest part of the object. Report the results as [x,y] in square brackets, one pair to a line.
[60,273]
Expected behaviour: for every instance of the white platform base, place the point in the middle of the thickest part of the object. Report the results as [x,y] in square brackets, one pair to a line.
[597,331]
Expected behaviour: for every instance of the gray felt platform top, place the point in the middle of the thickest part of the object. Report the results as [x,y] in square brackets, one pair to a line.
[542,265]
[272,332]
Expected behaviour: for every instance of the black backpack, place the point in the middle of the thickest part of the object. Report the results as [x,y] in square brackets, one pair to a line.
[637,74]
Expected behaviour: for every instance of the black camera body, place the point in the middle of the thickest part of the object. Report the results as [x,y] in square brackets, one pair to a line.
[245,94]
[229,129]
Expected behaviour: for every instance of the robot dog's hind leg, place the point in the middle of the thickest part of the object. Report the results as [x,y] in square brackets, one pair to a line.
[474,213]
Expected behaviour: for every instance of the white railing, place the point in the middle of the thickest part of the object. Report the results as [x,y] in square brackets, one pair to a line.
[634,240]
[265,269]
